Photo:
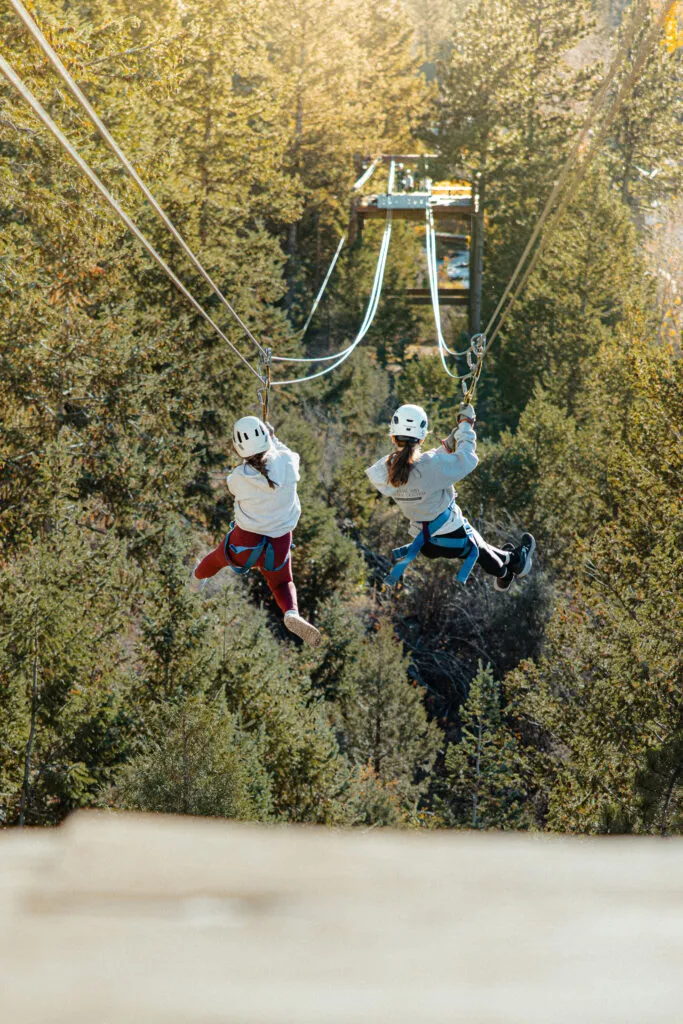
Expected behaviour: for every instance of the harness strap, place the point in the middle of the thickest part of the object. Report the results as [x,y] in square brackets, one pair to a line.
[256,551]
[466,547]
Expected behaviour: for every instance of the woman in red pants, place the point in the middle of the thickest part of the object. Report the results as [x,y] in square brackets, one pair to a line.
[267,510]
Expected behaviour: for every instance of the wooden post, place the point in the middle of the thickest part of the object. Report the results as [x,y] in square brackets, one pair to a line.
[476,255]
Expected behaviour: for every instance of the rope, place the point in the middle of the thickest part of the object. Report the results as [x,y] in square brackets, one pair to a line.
[367,174]
[373,303]
[573,174]
[120,155]
[430,240]
[43,116]
[320,294]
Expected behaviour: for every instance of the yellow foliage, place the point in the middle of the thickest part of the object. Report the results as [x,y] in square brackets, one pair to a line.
[673,28]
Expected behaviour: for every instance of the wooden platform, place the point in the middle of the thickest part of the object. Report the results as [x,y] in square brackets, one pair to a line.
[121,920]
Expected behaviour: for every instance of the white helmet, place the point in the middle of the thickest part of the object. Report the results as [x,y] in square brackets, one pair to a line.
[409,421]
[250,436]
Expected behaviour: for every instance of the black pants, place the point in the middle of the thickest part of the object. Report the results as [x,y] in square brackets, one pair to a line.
[492,560]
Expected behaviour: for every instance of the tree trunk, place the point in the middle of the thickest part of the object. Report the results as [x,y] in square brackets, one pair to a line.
[26,787]
[477,773]
[204,160]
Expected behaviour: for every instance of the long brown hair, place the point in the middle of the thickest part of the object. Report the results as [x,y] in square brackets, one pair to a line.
[259,463]
[400,462]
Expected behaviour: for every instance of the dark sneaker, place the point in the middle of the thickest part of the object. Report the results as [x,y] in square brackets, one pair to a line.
[503,582]
[521,563]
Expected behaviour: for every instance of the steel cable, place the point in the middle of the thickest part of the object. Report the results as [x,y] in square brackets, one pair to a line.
[43,116]
[83,102]
[370,312]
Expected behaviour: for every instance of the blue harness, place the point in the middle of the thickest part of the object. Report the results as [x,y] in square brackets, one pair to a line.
[265,544]
[466,548]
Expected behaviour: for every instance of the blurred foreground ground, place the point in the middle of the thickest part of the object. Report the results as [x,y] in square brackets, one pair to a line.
[117,919]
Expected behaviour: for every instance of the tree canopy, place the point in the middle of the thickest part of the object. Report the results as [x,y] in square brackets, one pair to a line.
[558,705]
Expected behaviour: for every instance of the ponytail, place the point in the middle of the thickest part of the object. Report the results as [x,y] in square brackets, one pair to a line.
[259,462]
[400,462]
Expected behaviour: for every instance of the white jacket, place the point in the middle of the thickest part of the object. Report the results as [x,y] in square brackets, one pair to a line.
[260,508]
[430,490]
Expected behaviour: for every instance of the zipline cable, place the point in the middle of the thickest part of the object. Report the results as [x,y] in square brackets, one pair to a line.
[43,116]
[320,294]
[373,303]
[433,275]
[576,174]
[322,359]
[434,292]
[326,359]
[367,174]
[83,102]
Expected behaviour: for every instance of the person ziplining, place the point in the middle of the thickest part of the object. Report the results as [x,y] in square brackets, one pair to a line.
[421,484]
[267,510]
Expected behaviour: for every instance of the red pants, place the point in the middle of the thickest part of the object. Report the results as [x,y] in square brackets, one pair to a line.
[280,582]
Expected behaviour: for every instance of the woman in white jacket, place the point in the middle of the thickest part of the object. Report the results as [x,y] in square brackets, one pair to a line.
[421,484]
[267,510]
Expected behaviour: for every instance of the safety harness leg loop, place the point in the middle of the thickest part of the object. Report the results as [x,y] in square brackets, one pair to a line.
[265,544]
[466,547]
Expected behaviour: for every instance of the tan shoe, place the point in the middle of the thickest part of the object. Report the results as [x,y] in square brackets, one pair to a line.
[308,633]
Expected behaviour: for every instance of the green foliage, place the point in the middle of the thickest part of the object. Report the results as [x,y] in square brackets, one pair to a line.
[62,687]
[120,686]
[647,130]
[606,693]
[485,770]
[196,760]
[382,717]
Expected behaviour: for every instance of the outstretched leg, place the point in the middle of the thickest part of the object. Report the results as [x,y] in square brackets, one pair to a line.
[282,588]
[503,563]
[493,561]
[212,563]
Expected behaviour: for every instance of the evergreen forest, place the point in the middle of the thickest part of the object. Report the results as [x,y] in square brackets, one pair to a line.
[557,706]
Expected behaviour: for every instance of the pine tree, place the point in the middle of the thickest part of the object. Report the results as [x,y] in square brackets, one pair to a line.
[196,760]
[62,679]
[647,132]
[382,717]
[350,87]
[590,280]
[603,699]
[484,771]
